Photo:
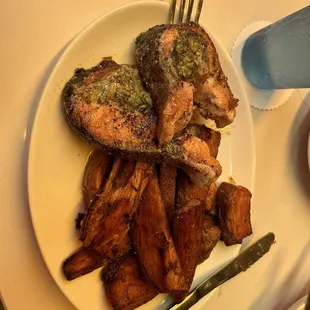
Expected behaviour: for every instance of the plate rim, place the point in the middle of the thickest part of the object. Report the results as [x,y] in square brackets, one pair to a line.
[68,48]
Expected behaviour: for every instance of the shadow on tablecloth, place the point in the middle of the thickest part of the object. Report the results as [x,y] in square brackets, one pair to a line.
[299,145]
[283,295]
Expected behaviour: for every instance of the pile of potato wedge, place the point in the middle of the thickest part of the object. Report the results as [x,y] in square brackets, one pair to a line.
[148,226]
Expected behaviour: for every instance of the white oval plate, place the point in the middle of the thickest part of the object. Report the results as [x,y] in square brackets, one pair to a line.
[57,155]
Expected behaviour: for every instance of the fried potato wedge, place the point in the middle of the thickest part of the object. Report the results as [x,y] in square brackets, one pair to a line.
[211,234]
[82,262]
[96,172]
[153,242]
[187,230]
[125,284]
[233,206]
[107,222]
[188,191]
[167,184]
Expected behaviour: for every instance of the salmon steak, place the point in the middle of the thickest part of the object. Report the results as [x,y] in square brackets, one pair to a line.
[180,66]
[109,108]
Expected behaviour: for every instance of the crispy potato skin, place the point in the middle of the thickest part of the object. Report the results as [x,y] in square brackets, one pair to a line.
[153,242]
[96,172]
[125,284]
[233,206]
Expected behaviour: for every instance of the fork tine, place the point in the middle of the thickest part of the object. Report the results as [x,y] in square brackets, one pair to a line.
[172,11]
[198,12]
[182,7]
[190,10]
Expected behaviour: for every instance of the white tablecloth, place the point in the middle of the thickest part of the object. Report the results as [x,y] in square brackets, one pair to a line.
[33,34]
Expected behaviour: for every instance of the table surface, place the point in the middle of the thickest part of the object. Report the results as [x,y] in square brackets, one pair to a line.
[33,34]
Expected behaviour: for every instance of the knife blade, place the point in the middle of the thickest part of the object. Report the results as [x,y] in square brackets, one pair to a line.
[241,263]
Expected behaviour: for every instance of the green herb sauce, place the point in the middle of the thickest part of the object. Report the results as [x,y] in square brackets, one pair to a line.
[173,148]
[123,86]
[188,54]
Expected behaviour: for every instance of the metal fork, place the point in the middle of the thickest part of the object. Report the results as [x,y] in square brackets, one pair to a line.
[189,11]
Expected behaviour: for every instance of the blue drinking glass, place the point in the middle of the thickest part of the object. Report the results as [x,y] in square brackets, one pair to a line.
[278,56]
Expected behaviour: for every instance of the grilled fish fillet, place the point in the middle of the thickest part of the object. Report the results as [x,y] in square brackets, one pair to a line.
[208,135]
[108,107]
[179,66]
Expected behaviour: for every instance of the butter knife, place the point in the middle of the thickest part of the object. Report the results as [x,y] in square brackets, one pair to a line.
[241,263]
